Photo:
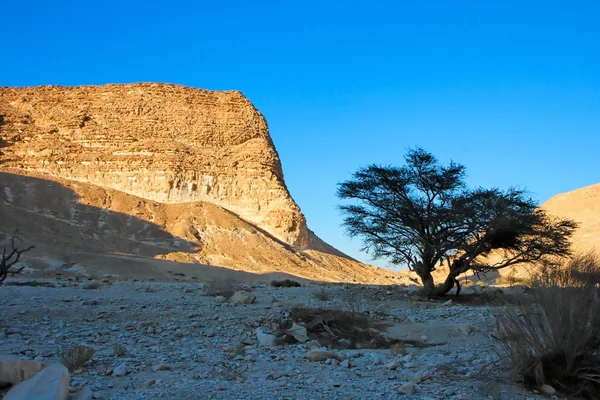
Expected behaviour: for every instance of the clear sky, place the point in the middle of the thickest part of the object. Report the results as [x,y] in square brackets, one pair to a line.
[511,89]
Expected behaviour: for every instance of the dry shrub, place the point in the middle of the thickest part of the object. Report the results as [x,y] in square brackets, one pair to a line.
[353,301]
[120,351]
[582,269]
[76,356]
[554,339]
[285,283]
[341,329]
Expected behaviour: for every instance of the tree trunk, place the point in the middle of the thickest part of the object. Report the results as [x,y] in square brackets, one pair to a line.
[445,287]
[432,291]
[428,283]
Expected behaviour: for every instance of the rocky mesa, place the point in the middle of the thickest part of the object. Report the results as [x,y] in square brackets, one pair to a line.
[154,177]
[160,142]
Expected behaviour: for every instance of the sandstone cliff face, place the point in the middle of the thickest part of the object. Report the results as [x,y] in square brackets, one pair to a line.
[160,142]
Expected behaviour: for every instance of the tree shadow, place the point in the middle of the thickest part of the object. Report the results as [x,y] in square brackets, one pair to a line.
[52,215]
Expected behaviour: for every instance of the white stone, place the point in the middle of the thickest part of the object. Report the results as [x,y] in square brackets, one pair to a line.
[298,332]
[120,370]
[408,358]
[265,338]
[408,388]
[14,370]
[547,390]
[52,383]
[242,297]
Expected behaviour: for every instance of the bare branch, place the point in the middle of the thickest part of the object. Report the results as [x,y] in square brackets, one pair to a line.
[13,257]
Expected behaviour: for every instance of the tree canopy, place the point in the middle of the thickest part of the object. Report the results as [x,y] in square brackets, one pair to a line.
[422,215]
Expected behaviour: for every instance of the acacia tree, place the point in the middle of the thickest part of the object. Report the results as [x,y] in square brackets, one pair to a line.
[423,216]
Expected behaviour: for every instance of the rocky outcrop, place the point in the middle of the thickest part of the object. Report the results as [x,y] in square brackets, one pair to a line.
[164,143]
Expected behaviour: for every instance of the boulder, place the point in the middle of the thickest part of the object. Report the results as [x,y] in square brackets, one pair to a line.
[14,370]
[52,383]
[242,297]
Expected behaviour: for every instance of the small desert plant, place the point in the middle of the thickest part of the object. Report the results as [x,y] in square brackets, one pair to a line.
[120,351]
[285,283]
[239,349]
[353,301]
[555,338]
[321,295]
[76,356]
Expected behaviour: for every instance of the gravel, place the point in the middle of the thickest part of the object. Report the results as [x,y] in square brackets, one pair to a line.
[175,342]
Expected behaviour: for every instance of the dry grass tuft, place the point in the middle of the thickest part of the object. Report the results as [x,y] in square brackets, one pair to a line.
[120,351]
[76,356]
[555,338]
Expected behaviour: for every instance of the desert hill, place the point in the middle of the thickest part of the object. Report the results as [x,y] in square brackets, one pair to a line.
[116,178]
[583,206]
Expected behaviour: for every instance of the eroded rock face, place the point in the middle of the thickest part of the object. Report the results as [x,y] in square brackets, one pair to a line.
[165,143]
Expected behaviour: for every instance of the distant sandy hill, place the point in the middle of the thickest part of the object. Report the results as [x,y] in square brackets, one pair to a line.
[583,206]
[113,178]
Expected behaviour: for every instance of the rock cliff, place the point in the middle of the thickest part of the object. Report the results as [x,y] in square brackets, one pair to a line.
[160,142]
[137,180]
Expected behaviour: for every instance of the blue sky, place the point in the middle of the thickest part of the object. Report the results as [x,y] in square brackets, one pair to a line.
[511,89]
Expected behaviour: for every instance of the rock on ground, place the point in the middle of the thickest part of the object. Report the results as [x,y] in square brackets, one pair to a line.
[52,383]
